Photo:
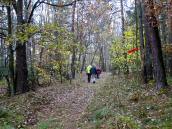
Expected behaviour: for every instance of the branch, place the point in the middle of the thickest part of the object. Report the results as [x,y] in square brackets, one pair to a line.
[37,4]
[28,4]
[61,5]
[116,11]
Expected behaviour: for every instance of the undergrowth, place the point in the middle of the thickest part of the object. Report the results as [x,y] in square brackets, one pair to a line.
[123,103]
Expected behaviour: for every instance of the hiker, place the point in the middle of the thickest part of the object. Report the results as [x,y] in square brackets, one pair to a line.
[93,73]
[88,72]
[98,72]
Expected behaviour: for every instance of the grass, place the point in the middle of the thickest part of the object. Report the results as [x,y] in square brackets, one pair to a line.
[49,124]
[10,119]
[3,83]
[121,103]
[125,104]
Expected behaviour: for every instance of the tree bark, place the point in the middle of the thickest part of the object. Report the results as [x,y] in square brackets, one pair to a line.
[148,53]
[11,54]
[123,35]
[21,62]
[142,46]
[158,63]
[73,69]
[170,34]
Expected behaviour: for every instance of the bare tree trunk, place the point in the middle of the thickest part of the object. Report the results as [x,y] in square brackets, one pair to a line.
[94,55]
[11,54]
[122,20]
[148,51]
[170,33]
[142,47]
[123,34]
[73,69]
[101,61]
[148,54]
[159,69]
[21,63]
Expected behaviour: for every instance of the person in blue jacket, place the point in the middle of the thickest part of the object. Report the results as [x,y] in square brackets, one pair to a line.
[93,73]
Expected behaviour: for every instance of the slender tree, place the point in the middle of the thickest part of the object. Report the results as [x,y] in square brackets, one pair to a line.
[11,53]
[142,46]
[73,69]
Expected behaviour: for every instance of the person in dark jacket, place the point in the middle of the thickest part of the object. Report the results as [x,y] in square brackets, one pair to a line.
[98,71]
[93,73]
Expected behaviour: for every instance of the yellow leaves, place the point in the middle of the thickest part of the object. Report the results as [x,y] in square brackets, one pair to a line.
[129,33]
[23,34]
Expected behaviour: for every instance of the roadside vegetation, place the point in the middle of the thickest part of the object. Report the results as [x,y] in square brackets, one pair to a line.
[125,103]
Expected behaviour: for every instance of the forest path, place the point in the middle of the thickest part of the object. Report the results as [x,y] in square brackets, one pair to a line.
[66,108]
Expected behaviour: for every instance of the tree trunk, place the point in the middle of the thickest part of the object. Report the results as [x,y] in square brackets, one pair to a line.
[94,55]
[170,21]
[21,63]
[160,75]
[123,34]
[170,34]
[11,54]
[122,19]
[101,61]
[148,51]
[148,54]
[73,69]
[83,62]
[158,63]
[142,47]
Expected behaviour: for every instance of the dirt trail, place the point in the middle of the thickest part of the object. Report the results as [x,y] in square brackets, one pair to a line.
[69,106]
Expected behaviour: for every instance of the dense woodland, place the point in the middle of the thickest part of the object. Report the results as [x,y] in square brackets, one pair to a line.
[47,43]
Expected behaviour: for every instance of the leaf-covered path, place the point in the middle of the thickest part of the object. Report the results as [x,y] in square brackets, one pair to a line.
[66,108]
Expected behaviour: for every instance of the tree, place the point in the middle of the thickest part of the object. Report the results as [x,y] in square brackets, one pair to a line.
[142,46]
[158,63]
[11,53]
[73,65]
[21,73]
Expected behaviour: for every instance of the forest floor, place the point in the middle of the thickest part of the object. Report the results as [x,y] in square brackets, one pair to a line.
[113,102]
[54,107]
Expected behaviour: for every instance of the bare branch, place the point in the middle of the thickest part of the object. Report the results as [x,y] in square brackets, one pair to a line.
[117,11]
[29,4]
[61,5]
[37,4]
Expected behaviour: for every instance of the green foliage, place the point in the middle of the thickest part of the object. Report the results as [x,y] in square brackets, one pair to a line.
[44,124]
[100,114]
[23,34]
[3,72]
[7,126]
[49,124]
[129,122]
[42,75]
[9,119]
[119,56]
[57,44]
